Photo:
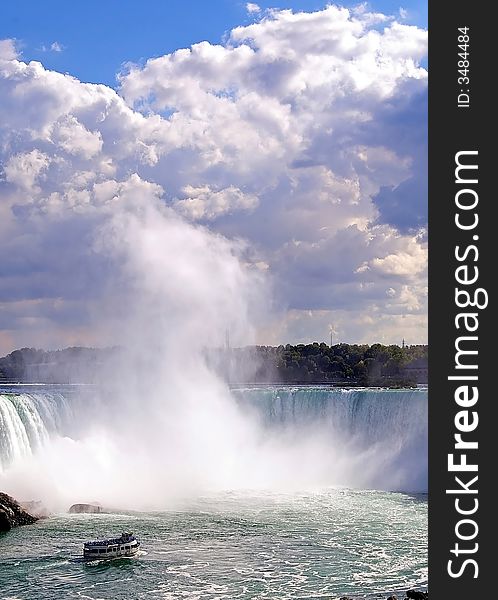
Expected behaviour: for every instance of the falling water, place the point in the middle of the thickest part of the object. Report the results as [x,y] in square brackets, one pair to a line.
[295,436]
[27,422]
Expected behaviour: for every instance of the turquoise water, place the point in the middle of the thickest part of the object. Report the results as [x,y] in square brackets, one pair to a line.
[227,546]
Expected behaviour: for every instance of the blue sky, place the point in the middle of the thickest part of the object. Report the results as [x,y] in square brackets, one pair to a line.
[96,37]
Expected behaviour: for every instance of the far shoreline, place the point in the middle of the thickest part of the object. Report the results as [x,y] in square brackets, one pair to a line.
[315,364]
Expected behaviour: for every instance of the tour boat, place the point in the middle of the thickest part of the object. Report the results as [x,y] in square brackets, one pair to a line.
[126,545]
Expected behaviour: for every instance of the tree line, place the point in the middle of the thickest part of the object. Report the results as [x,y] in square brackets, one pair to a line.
[353,364]
[363,364]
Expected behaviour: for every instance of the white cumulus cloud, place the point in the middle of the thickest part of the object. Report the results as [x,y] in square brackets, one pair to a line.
[252,8]
[287,136]
[205,203]
[8,50]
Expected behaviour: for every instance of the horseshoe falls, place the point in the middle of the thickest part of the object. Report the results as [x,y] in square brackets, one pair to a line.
[278,492]
[361,438]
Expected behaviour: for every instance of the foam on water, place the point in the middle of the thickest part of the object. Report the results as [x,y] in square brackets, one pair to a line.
[270,545]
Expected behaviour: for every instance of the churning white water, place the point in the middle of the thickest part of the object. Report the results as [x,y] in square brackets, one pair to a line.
[86,445]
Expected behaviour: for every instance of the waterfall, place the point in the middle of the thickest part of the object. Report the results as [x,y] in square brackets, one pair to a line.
[27,421]
[304,435]
[380,433]
[371,413]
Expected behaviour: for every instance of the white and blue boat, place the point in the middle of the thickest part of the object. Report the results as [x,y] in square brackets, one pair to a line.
[126,545]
